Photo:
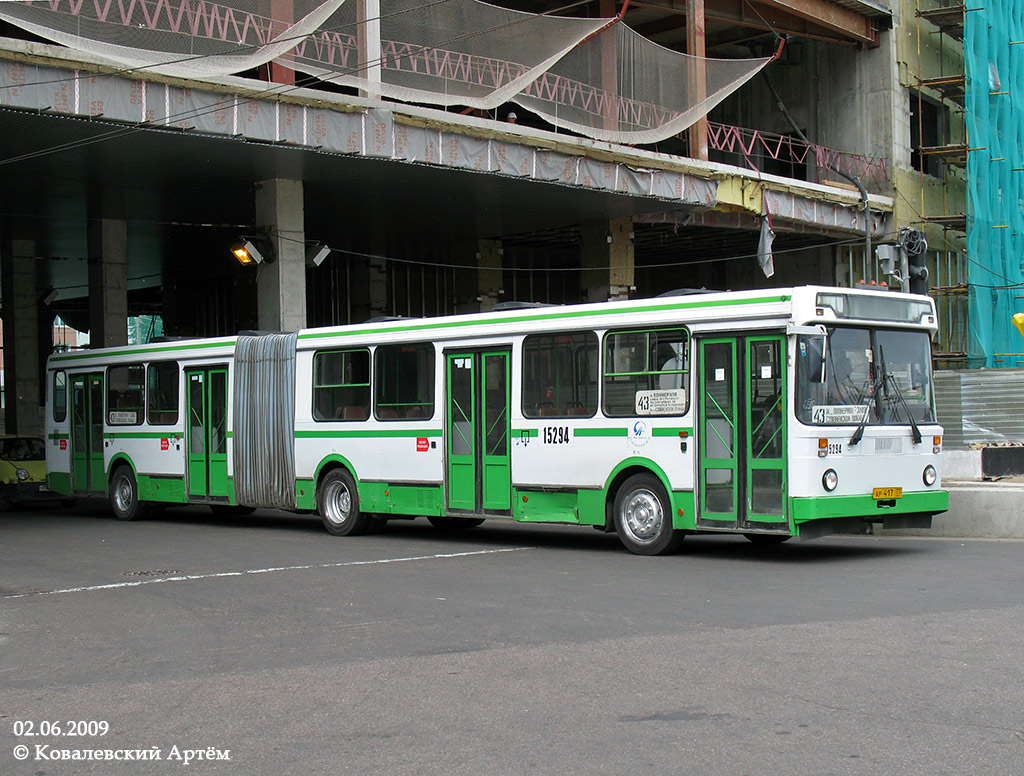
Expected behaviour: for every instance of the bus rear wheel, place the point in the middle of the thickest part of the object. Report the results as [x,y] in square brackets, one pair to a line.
[337,501]
[643,517]
[124,495]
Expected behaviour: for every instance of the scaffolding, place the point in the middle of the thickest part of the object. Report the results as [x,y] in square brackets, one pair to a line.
[987,287]
[942,151]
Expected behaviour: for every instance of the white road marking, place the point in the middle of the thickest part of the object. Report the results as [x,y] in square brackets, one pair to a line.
[270,570]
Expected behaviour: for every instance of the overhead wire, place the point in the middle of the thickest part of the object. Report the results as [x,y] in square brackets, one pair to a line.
[661,265]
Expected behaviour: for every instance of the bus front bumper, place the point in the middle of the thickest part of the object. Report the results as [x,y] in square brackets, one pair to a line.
[912,510]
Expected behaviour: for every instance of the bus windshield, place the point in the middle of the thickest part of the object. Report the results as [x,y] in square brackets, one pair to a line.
[872,376]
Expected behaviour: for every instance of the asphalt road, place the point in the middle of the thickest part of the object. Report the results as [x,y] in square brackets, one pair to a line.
[508,649]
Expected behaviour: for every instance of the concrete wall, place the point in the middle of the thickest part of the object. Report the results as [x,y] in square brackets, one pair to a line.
[854,98]
[982,511]
[840,96]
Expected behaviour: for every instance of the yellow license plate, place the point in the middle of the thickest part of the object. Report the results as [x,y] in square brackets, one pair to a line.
[887,493]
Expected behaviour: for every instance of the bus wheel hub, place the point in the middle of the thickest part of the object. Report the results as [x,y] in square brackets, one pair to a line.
[643,515]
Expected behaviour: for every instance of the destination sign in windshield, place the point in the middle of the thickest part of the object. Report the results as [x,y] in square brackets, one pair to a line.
[839,414]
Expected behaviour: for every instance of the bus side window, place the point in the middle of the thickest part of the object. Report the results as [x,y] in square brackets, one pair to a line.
[163,393]
[125,390]
[404,376]
[560,375]
[60,396]
[639,362]
[341,385]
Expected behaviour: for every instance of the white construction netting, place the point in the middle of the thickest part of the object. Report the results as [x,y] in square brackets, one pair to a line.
[183,38]
[455,52]
[595,77]
[619,86]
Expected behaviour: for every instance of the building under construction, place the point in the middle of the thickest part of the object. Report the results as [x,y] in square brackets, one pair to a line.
[420,157]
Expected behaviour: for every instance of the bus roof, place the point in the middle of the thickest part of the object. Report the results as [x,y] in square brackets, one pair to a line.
[773,306]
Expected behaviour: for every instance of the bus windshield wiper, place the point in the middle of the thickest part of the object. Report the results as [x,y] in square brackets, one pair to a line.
[855,439]
[872,391]
[915,432]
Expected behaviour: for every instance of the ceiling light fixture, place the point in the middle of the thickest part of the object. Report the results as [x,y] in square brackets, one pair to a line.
[317,253]
[253,249]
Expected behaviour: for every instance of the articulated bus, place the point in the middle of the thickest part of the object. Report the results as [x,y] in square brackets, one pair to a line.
[772,414]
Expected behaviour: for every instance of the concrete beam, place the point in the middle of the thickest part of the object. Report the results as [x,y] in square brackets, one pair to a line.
[411,134]
[829,15]
[818,19]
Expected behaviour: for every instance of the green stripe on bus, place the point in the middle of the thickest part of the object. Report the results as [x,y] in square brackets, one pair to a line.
[147,350]
[58,436]
[369,433]
[605,432]
[568,314]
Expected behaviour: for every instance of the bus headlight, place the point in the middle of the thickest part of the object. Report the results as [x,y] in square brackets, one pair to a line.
[22,474]
[829,480]
[929,476]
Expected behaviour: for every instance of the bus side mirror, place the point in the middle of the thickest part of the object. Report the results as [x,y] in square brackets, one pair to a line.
[815,355]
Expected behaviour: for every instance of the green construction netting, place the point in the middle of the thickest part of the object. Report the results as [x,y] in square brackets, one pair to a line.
[994,54]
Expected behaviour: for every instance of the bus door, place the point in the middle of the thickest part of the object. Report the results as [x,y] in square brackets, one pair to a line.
[207,443]
[478,466]
[742,446]
[87,471]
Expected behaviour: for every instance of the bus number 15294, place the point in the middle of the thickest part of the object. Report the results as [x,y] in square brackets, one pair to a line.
[555,435]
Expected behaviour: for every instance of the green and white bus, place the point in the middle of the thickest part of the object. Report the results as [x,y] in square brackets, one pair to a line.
[772,413]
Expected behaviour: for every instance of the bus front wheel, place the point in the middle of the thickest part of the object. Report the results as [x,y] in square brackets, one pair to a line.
[643,517]
[124,495]
[337,501]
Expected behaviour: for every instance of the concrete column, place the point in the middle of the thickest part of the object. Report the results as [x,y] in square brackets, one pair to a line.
[108,282]
[281,287]
[24,395]
[607,258]
[480,291]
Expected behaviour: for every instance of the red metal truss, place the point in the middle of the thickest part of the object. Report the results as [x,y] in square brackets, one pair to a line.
[195,17]
[748,142]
